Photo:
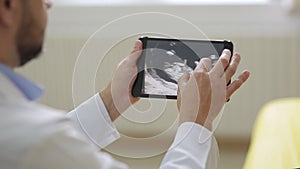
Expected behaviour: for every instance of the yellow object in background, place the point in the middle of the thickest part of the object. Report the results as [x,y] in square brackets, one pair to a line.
[275,140]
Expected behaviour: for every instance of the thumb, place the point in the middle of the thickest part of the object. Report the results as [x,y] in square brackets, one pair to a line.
[136,52]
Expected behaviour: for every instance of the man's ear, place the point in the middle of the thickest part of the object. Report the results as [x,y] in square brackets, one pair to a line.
[7,12]
[7,3]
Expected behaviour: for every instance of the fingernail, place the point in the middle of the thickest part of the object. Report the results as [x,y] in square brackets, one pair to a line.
[237,55]
[226,51]
[136,44]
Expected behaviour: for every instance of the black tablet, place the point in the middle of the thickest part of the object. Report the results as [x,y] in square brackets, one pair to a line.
[163,61]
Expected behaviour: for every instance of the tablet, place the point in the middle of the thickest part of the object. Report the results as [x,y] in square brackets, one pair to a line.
[164,60]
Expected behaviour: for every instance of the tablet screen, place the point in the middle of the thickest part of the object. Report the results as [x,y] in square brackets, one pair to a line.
[166,60]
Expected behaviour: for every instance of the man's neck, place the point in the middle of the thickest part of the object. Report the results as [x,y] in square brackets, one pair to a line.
[8,54]
[7,63]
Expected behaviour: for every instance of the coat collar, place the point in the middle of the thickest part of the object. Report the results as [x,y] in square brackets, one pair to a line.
[30,90]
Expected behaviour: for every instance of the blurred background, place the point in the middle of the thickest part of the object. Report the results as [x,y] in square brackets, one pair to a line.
[265,32]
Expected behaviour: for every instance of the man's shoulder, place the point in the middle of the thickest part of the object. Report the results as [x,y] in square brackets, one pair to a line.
[30,118]
[25,125]
[34,111]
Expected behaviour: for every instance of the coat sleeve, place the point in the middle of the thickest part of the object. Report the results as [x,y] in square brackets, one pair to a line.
[93,121]
[194,147]
[66,149]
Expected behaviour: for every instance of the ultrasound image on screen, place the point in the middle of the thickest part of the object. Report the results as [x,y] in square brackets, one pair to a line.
[166,62]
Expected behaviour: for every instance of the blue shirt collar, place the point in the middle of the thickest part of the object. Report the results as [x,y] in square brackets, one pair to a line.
[29,89]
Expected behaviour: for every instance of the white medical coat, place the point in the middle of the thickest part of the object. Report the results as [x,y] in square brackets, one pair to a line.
[34,136]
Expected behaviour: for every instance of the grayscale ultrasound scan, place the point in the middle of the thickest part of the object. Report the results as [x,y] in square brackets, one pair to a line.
[166,62]
[163,61]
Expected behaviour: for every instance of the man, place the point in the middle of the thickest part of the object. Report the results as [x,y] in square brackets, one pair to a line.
[33,136]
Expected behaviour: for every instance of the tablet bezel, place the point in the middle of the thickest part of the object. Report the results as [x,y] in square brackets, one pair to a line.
[138,84]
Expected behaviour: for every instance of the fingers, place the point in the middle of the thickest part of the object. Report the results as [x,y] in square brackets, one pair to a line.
[204,65]
[231,70]
[222,63]
[181,83]
[137,46]
[236,84]
[183,80]
[136,52]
